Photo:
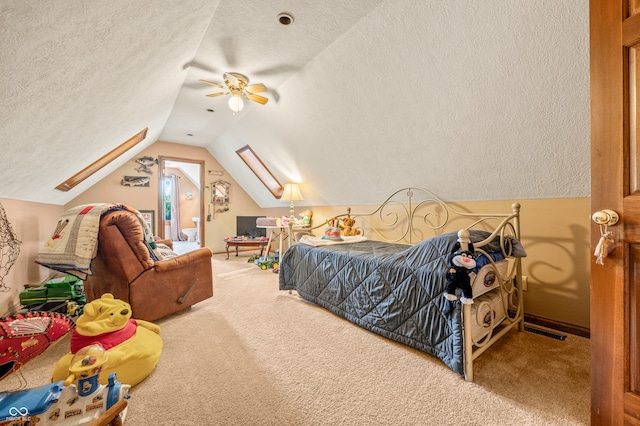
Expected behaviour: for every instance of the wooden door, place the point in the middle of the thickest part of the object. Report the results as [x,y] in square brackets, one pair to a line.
[615,185]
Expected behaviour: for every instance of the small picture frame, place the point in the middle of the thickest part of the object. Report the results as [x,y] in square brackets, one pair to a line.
[149,216]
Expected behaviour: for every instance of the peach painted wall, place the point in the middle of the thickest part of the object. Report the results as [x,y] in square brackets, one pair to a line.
[109,190]
[555,234]
[32,223]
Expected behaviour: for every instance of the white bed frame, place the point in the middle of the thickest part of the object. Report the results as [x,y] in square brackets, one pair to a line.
[411,215]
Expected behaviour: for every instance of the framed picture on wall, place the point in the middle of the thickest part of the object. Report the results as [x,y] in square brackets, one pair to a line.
[148,216]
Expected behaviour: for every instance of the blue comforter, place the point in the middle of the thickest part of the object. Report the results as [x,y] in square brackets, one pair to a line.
[394,290]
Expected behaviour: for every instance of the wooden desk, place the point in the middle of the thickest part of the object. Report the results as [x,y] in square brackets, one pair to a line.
[245,243]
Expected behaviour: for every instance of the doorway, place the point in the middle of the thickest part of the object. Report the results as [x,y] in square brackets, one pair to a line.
[180,202]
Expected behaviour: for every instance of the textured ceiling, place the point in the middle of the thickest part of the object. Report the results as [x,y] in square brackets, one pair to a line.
[473,100]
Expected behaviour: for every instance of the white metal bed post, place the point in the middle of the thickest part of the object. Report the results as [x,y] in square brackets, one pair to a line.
[464,240]
[516,223]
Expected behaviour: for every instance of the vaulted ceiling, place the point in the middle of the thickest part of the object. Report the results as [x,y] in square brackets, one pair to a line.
[471,99]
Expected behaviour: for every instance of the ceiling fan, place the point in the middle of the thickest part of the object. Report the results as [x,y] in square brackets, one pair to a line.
[237,85]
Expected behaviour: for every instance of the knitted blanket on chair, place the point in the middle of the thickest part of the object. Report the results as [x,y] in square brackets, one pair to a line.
[74,241]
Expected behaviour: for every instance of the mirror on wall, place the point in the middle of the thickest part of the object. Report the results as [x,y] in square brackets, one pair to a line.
[220,196]
[181,202]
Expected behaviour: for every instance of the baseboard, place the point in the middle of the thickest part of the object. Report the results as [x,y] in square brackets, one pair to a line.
[557,325]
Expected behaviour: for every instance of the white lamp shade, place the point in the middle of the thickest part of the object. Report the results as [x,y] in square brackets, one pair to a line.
[291,192]
[236,103]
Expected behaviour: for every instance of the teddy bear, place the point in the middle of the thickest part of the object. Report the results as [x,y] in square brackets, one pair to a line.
[306,216]
[133,346]
[461,263]
[347,227]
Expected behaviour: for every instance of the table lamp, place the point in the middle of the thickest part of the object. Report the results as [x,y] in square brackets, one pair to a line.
[291,193]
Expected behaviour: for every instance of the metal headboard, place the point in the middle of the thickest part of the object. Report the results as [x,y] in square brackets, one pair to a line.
[408,213]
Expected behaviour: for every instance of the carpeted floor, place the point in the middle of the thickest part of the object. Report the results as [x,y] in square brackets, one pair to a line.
[253,355]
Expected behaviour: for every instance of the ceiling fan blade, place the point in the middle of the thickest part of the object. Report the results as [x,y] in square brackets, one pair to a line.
[256,88]
[213,95]
[231,80]
[256,98]
[213,84]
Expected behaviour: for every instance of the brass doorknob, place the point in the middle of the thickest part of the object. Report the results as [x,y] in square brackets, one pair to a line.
[605,217]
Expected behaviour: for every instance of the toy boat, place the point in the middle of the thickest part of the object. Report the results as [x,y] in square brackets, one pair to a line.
[78,400]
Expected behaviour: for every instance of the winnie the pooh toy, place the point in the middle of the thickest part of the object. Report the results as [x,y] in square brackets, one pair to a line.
[133,346]
[347,227]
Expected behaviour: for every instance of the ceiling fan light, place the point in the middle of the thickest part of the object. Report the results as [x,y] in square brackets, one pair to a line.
[236,103]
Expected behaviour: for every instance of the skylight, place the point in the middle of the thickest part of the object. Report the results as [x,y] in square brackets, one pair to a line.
[261,171]
[102,161]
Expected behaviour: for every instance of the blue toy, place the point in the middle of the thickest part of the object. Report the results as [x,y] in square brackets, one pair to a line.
[80,399]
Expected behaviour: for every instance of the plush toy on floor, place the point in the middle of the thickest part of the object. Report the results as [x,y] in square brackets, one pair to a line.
[461,262]
[133,346]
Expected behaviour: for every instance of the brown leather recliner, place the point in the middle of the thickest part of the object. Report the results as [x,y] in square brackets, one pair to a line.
[154,289]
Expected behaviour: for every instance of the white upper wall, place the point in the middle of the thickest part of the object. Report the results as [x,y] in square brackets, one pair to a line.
[471,99]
